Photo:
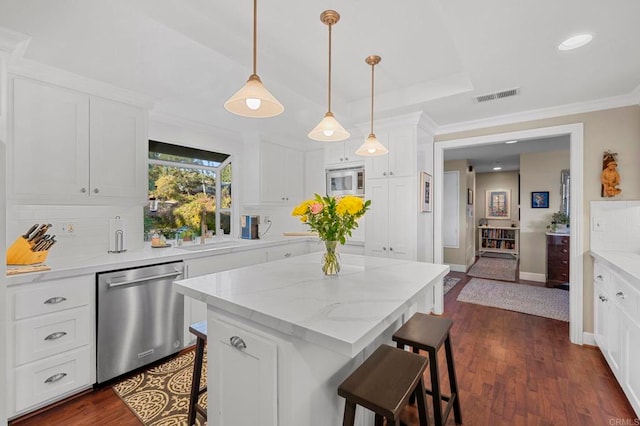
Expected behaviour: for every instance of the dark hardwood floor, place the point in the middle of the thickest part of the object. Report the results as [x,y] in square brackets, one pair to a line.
[512,369]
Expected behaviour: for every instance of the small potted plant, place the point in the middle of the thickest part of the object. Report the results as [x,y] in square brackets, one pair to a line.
[559,223]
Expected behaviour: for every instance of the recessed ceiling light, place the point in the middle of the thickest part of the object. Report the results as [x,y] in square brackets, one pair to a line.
[497,168]
[575,42]
[508,142]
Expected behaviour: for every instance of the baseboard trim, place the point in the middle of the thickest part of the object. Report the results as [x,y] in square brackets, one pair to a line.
[457,268]
[589,339]
[530,276]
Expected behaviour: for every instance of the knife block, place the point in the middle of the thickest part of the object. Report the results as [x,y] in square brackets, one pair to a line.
[19,253]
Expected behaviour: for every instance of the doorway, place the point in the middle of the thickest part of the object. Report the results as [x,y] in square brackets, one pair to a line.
[575,133]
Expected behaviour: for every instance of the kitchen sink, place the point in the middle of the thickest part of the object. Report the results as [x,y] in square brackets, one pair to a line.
[214,245]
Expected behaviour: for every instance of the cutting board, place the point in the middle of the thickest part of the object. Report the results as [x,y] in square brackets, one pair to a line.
[300,234]
[23,269]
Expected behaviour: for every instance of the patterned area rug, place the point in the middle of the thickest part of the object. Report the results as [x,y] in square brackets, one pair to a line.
[494,268]
[540,301]
[160,396]
[449,283]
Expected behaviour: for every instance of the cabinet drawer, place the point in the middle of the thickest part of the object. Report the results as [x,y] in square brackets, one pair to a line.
[47,379]
[286,251]
[53,296]
[625,295]
[557,274]
[601,276]
[47,335]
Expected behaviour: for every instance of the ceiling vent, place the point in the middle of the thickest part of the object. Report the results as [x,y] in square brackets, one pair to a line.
[497,95]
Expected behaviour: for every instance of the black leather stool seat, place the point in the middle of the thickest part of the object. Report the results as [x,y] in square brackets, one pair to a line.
[384,384]
[429,333]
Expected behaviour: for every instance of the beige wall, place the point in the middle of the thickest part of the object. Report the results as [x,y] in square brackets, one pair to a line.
[615,129]
[456,256]
[539,171]
[492,181]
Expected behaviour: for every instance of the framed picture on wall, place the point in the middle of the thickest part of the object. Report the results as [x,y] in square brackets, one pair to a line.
[540,200]
[425,192]
[498,204]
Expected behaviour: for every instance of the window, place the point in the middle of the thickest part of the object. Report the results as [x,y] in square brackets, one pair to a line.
[185,185]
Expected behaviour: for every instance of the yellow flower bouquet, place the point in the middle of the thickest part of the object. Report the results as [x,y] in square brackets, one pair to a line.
[333,218]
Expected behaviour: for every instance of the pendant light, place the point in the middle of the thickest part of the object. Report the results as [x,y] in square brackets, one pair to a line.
[372,145]
[329,130]
[253,99]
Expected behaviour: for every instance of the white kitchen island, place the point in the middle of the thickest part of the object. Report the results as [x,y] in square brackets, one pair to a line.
[282,336]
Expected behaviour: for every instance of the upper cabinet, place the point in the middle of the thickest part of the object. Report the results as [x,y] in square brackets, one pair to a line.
[401,160]
[68,146]
[338,154]
[282,174]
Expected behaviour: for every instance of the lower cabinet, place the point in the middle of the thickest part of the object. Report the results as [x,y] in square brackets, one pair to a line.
[617,327]
[50,336]
[243,384]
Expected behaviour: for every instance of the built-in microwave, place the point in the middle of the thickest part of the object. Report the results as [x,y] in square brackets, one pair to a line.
[346,181]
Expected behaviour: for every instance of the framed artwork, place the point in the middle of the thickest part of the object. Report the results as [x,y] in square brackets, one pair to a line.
[469,197]
[425,192]
[540,200]
[498,204]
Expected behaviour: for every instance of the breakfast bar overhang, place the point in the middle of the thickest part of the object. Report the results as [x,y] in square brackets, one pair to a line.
[282,336]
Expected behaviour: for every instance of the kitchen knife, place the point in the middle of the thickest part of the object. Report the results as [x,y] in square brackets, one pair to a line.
[40,233]
[39,246]
[33,228]
[51,241]
[36,232]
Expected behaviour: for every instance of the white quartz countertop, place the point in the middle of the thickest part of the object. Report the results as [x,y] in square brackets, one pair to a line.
[626,262]
[343,313]
[89,264]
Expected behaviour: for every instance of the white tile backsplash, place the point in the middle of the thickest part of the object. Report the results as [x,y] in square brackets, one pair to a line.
[91,233]
[620,225]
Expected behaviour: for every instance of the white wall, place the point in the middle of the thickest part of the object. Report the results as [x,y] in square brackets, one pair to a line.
[3,239]
[425,164]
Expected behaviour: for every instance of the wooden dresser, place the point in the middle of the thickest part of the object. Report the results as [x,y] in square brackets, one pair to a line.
[557,259]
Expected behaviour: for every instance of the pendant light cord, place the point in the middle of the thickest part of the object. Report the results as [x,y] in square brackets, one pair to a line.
[329,96]
[372,68]
[255,34]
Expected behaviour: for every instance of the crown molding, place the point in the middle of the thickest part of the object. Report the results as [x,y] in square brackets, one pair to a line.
[13,42]
[38,71]
[569,109]
[174,120]
[416,118]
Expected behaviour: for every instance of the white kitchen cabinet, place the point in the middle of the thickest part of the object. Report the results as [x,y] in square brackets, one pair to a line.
[282,175]
[243,381]
[286,251]
[342,154]
[67,145]
[391,223]
[401,159]
[52,341]
[617,327]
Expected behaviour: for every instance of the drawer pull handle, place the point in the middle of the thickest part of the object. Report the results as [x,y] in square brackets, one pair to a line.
[564,250]
[620,295]
[55,300]
[565,261]
[56,335]
[287,255]
[56,377]
[238,343]
[604,299]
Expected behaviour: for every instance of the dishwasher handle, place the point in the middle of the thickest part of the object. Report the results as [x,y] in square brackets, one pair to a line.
[143,279]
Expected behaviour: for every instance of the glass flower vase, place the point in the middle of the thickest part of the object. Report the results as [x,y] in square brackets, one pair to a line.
[330,260]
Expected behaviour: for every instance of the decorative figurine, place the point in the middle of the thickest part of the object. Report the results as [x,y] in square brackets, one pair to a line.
[610,177]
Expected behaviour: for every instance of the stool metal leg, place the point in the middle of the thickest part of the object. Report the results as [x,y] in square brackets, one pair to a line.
[453,382]
[195,384]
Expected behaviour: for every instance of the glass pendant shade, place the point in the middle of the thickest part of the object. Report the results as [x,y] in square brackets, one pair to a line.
[329,130]
[371,147]
[254,100]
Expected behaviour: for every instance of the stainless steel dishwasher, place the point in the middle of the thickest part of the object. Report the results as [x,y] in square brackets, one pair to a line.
[140,318]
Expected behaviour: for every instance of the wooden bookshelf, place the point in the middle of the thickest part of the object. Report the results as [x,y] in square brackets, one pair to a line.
[499,239]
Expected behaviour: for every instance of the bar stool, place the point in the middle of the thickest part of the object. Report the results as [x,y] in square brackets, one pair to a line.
[200,331]
[384,383]
[428,333]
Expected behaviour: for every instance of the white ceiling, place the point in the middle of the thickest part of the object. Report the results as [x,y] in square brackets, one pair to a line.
[191,55]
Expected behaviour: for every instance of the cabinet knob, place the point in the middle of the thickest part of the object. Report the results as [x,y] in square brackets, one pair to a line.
[601,297]
[341,159]
[287,255]
[390,173]
[96,190]
[390,248]
[346,158]
[620,295]
[384,173]
[599,277]
[565,261]
[83,190]
[238,343]
[56,377]
[384,248]
[565,250]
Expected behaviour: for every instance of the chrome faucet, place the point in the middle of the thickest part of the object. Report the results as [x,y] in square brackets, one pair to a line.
[203,226]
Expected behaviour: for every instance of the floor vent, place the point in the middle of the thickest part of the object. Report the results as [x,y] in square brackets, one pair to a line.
[497,95]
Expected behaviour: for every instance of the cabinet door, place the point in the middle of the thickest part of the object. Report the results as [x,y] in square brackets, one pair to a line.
[600,302]
[242,377]
[402,221]
[293,176]
[376,242]
[271,176]
[49,155]
[402,152]
[632,375]
[613,336]
[334,153]
[118,150]
[378,166]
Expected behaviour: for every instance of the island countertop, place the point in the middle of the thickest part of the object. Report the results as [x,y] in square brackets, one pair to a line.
[343,313]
